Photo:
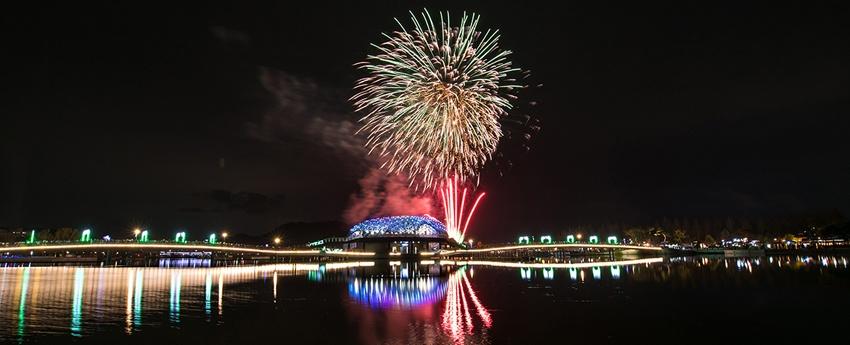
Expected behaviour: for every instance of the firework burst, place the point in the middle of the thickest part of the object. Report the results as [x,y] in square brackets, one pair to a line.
[434,97]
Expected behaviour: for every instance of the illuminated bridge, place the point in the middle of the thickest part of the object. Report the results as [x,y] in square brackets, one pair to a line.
[136,253]
[549,249]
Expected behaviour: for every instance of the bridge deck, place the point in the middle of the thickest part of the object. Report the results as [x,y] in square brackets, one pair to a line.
[551,246]
[176,246]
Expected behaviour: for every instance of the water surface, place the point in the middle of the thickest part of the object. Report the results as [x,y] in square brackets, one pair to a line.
[693,300]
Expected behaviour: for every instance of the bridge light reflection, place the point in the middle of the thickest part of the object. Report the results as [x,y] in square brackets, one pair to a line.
[548,273]
[220,291]
[597,272]
[274,287]
[208,294]
[615,272]
[25,283]
[174,298]
[77,302]
[128,328]
[573,273]
[525,273]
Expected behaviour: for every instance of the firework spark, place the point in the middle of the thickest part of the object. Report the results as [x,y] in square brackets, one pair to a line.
[454,205]
[434,97]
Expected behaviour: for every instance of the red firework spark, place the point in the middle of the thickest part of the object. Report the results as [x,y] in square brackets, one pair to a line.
[450,194]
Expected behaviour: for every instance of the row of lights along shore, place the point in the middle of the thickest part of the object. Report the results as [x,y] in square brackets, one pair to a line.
[593,239]
[142,236]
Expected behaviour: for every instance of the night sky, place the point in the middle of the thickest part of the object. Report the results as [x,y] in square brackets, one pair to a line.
[236,116]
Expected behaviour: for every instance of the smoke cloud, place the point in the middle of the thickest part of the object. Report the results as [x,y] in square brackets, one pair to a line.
[384,195]
[312,114]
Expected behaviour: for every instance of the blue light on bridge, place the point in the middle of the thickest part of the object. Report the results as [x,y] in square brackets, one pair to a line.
[143,237]
[524,240]
[593,239]
[546,239]
[571,239]
[31,239]
[212,239]
[180,237]
[612,239]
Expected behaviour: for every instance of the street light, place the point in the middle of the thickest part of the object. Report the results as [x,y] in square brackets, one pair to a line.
[277,240]
[223,236]
[136,232]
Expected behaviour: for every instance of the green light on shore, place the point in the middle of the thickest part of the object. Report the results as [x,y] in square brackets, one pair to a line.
[571,239]
[143,237]
[212,239]
[594,239]
[180,237]
[523,240]
[546,239]
[86,236]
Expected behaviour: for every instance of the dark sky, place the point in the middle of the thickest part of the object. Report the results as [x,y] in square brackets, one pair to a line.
[236,116]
